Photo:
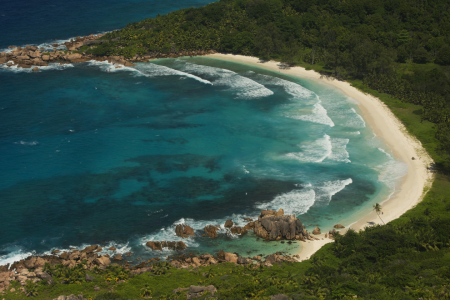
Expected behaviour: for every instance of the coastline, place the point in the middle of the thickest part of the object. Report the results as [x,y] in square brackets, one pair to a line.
[386,126]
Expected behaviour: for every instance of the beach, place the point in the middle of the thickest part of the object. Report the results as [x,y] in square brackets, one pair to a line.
[386,126]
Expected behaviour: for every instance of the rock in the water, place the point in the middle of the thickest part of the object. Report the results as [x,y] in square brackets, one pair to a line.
[117,257]
[90,249]
[229,223]
[35,69]
[316,231]
[154,245]
[238,230]
[112,249]
[184,230]
[274,226]
[339,226]
[171,245]
[211,231]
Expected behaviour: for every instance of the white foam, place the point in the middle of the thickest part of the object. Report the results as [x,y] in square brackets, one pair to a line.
[385,152]
[14,255]
[153,70]
[33,143]
[244,88]
[317,115]
[361,122]
[315,151]
[51,66]
[325,192]
[294,89]
[294,202]
[339,150]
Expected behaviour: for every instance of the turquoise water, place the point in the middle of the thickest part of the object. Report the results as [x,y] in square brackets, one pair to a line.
[91,153]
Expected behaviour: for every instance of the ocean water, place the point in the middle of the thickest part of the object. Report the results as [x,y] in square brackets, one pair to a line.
[95,154]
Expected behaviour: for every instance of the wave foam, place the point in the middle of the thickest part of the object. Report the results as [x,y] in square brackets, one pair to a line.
[294,89]
[295,202]
[51,66]
[325,192]
[33,143]
[318,115]
[244,87]
[339,150]
[315,151]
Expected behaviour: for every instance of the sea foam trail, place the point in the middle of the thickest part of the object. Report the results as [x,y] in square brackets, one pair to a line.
[325,192]
[315,151]
[339,150]
[244,87]
[51,66]
[147,70]
[294,89]
[318,115]
[295,202]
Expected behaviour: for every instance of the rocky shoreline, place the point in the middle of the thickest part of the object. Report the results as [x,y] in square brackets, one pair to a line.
[32,57]
[271,225]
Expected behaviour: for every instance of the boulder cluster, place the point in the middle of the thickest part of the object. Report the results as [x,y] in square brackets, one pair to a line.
[30,56]
[34,57]
[36,263]
[158,246]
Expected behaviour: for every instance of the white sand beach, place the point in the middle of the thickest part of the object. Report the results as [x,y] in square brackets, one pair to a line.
[387,127]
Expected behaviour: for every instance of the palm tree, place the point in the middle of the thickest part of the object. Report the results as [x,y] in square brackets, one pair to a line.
[377,209]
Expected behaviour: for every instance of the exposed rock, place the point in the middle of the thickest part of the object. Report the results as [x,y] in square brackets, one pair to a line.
[3,60]
[244,260]
[273,258]
[316,231]
[258,258]
[103,260]
[171,245]
[339,226]
[211,231]
[230,257]
[274,226]
[248,219]
[117,257]
[197,291]
[112,249]
[45,57]
[229,223]
[238,230]
[184,230]
[89,249]
[154,245]
[55,252]
[74,56]
[89,277]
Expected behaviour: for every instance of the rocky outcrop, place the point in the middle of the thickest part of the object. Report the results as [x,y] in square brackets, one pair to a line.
[229,223]
[211,231]
[316,231]
[274,226]
[198,291]
[157,246]
[339,226]
[238,230]
[184,231]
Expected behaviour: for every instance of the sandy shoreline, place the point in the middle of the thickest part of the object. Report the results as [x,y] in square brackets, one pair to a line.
[387,127]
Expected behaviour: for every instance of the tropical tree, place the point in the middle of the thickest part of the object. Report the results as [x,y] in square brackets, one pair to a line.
[377,209]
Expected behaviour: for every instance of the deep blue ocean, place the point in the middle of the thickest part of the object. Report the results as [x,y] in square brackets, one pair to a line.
[94,154]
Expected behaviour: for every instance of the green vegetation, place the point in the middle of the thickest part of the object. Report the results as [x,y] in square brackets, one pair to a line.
[396,50]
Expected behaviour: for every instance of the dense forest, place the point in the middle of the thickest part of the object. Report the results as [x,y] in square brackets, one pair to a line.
[398,50]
